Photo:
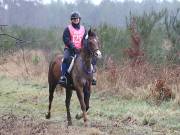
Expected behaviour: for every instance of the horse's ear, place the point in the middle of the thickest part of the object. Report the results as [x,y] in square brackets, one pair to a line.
[86,37]
[89,31]
[94,30]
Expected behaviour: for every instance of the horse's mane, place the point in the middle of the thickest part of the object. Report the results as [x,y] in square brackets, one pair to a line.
[92,33]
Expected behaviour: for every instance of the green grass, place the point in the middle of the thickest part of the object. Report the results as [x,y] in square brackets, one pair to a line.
[26,98]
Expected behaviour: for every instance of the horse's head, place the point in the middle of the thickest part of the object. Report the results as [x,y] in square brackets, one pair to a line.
[93,44]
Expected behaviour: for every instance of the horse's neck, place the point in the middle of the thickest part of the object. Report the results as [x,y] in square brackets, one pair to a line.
[86,58]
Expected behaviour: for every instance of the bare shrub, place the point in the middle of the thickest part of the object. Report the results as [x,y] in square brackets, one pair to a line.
[161,91]
[137,82]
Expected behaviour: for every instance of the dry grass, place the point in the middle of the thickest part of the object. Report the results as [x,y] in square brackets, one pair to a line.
[138,81]
[34,66]
[124,80]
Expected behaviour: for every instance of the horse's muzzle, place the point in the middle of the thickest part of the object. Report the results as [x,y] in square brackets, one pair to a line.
[98,54]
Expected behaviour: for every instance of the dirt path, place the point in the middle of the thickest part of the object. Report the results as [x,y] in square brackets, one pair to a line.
[12,124]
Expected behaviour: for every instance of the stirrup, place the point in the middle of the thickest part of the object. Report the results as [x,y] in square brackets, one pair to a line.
[62,81]
[94,81]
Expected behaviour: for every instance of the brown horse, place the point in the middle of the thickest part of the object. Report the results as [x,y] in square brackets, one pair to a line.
[81,76]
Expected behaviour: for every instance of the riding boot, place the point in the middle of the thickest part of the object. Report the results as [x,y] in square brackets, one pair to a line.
[63,79]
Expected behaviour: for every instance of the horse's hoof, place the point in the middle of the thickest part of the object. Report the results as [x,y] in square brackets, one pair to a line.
[78,116]
[48,116]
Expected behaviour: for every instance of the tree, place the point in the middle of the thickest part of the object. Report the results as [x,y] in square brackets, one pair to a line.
[173,32]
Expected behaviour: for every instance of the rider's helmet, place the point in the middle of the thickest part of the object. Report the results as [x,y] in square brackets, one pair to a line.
[75,15]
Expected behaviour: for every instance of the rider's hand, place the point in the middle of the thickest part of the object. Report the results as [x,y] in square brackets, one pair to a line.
[72,46]
[74,49]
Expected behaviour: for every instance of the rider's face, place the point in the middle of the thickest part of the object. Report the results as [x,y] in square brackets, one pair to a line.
[75,21]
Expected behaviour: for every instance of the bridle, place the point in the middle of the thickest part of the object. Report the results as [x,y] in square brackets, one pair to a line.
[92,52]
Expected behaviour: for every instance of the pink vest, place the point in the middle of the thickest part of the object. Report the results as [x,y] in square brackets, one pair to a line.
[76,35]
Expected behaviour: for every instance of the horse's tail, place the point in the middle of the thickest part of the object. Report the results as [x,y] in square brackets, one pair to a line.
[50,72]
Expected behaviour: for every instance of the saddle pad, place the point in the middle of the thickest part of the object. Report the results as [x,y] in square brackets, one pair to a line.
[71,65]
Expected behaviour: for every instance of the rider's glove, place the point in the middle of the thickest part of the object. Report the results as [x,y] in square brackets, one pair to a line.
[73,48]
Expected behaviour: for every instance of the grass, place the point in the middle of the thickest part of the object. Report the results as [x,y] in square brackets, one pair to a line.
[106,112]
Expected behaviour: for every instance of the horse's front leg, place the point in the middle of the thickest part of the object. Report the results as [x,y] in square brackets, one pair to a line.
[87,94]
[80,96]
[67,102]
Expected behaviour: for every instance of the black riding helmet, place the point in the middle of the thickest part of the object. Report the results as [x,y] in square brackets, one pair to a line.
[75,15]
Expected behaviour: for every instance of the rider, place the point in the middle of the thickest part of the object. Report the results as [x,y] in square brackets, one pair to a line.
[73,36]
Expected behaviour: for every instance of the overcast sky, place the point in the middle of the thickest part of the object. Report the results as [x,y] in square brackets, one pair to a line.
[96,2]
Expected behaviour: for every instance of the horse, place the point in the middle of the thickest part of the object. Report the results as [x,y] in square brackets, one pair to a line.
[81,76]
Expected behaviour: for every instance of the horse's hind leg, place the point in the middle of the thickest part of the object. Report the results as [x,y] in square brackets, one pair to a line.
[52,87]
[67,102]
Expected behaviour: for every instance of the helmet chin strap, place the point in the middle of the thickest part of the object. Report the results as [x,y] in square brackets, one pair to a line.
[76,25]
